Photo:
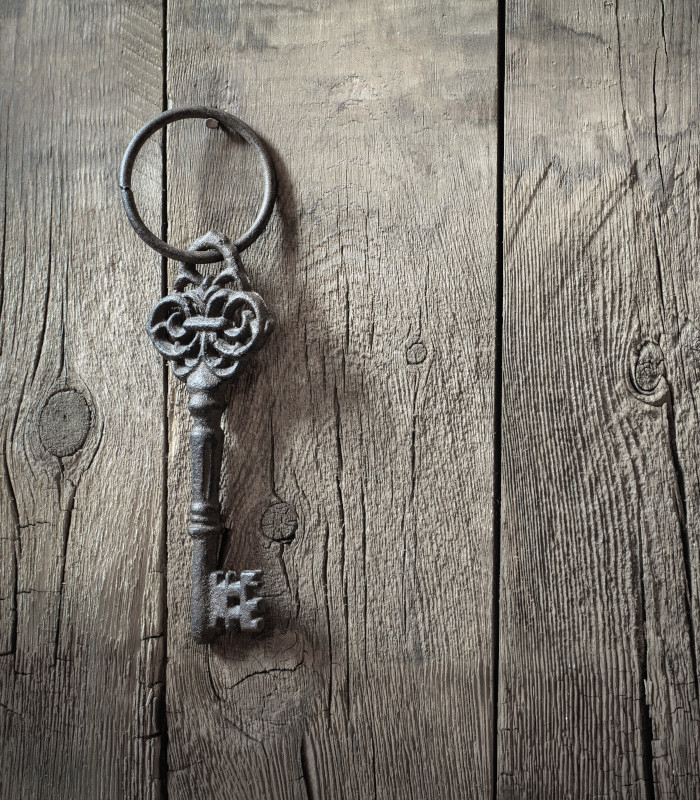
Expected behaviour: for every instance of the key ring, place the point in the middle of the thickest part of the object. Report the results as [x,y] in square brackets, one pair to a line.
[229,122]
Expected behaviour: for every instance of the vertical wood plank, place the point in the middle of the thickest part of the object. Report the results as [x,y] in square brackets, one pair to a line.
[81,614]
[367,421]
[598,685]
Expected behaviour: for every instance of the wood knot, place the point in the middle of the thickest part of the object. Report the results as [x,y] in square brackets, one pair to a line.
[648,373]
[416,353]
[64,423]
[279,522]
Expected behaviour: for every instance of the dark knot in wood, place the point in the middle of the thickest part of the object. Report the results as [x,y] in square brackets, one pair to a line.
[416,353]
[64,423]
[648,374]
[279,522]
[649,369]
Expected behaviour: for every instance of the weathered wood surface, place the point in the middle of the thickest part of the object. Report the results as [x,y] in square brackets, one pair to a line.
[369,413]
[598,685]
[358,468]
[81,581]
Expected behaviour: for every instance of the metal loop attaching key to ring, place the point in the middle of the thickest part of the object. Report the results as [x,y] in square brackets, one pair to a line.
[207,327]
[229,122]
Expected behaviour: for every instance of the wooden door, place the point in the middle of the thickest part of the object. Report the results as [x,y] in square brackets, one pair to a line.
[465,460]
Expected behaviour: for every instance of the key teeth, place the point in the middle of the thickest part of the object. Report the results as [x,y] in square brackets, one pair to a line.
[255,603]
[254,607]
[250,605]
[253,626]
[234,599]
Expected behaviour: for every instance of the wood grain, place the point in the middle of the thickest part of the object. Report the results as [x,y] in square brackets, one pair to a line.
[81,581]
[370,413]
[598,683]
[358,469]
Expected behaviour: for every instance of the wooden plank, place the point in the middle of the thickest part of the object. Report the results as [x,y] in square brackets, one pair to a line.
[598,683]
[81,615]
[369,415]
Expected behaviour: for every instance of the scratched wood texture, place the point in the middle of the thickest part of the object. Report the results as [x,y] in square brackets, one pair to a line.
[81,487]
[598,680]
[359,460]
[367,419]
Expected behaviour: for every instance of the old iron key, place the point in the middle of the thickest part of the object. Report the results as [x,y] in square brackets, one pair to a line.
[206,328]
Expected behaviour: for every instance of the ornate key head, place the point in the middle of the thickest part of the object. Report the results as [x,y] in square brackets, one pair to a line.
[210,323]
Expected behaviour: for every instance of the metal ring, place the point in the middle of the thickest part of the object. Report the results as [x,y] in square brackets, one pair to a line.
[228,121]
